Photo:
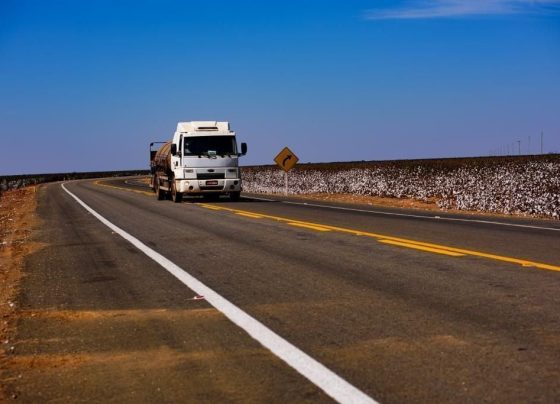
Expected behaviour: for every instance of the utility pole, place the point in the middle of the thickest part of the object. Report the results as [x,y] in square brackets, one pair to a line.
[529,146]
[541,142]
[519,147]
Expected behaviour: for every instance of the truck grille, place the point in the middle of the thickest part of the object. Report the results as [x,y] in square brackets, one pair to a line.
[210,176]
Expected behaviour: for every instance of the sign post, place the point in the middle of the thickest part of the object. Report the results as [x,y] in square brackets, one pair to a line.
[286,160]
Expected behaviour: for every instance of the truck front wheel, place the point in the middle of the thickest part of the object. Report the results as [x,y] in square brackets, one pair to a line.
[234,196]
[175,196]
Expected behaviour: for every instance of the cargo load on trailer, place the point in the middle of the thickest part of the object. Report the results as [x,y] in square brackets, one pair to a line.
[201,159]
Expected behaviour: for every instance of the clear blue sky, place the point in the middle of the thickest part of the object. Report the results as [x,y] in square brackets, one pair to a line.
[86,85]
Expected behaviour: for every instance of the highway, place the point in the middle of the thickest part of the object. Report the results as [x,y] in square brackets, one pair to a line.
[283,300]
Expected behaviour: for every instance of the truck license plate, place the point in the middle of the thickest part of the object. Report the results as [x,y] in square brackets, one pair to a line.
[211,182]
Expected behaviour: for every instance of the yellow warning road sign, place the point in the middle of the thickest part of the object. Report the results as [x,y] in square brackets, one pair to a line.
[286,159]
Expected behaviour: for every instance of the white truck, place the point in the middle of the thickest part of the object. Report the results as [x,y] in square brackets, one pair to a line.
[202,159]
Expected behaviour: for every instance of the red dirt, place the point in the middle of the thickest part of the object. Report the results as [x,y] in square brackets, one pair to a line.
[17,223]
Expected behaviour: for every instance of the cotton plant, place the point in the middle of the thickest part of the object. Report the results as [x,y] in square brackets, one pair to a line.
[510,186]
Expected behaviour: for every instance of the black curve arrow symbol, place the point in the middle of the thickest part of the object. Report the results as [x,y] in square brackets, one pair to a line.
[289,157]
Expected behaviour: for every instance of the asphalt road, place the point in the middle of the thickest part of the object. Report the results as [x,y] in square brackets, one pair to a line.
[403,306]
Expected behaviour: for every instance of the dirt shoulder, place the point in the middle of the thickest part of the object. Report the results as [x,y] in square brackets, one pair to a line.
[406,203]
[18,222]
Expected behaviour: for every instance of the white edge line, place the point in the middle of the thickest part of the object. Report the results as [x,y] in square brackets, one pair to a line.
[262,199]
[328,381]
[453,219]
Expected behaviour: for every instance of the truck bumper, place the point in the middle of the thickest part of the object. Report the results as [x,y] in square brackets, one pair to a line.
[208,186]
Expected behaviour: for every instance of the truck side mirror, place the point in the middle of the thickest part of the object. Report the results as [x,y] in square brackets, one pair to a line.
[243,149]
[173,149]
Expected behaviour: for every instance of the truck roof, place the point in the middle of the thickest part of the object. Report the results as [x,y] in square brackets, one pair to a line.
[203,126]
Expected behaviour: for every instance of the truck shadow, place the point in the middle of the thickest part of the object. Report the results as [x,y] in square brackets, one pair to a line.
[223,199]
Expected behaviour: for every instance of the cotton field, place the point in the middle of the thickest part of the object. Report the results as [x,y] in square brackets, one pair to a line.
[524,185]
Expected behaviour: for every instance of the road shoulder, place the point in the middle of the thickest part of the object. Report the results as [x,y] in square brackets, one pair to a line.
[18,225]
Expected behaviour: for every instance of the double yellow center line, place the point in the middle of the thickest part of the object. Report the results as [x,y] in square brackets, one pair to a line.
[385,239]
[102,183]
[421,248]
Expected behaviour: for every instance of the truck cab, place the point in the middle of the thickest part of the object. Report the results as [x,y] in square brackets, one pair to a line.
[202,159]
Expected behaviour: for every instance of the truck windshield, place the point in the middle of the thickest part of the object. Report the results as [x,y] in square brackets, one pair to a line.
[209,145]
